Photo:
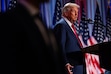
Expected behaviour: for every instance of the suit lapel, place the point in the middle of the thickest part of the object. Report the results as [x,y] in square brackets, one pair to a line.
[68,27]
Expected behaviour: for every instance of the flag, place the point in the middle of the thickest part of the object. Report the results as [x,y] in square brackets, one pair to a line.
[92,60]
[108,24]
[7,5]
[98,28]
[57,13]
[84,30]
[12,4]
[3,5]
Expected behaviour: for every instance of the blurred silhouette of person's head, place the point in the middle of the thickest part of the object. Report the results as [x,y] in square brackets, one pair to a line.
[28,45]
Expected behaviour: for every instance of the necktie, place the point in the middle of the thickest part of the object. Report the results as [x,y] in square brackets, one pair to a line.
[74,29]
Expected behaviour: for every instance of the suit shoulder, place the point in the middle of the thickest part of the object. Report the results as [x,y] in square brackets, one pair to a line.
[60,23]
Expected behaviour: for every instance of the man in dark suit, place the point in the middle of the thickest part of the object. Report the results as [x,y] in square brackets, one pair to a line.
[68,40]
[27,46]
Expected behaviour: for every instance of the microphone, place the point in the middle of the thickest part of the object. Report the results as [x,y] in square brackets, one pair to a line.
[87,20]
[90,21]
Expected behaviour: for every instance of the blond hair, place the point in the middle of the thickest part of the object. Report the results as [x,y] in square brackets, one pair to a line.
[68,6]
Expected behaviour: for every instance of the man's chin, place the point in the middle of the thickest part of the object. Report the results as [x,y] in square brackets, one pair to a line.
[75,19]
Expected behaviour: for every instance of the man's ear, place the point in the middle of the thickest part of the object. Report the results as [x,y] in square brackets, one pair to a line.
[66,14]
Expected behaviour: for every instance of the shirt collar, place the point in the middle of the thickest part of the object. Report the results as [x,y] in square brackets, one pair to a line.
[69,23]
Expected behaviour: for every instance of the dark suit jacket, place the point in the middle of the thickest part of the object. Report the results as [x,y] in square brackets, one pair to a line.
[23,49]
[68,43]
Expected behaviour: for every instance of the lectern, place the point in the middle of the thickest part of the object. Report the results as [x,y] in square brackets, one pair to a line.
[104,52]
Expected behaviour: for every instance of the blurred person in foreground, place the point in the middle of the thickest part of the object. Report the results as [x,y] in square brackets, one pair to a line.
[70,46]
[27,46]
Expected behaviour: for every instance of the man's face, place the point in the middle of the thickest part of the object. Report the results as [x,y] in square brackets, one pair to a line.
[73,14]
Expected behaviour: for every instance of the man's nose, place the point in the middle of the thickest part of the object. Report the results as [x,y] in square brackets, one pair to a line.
[76,14]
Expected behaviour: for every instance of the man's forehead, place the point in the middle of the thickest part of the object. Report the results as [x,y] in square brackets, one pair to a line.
[74,8]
